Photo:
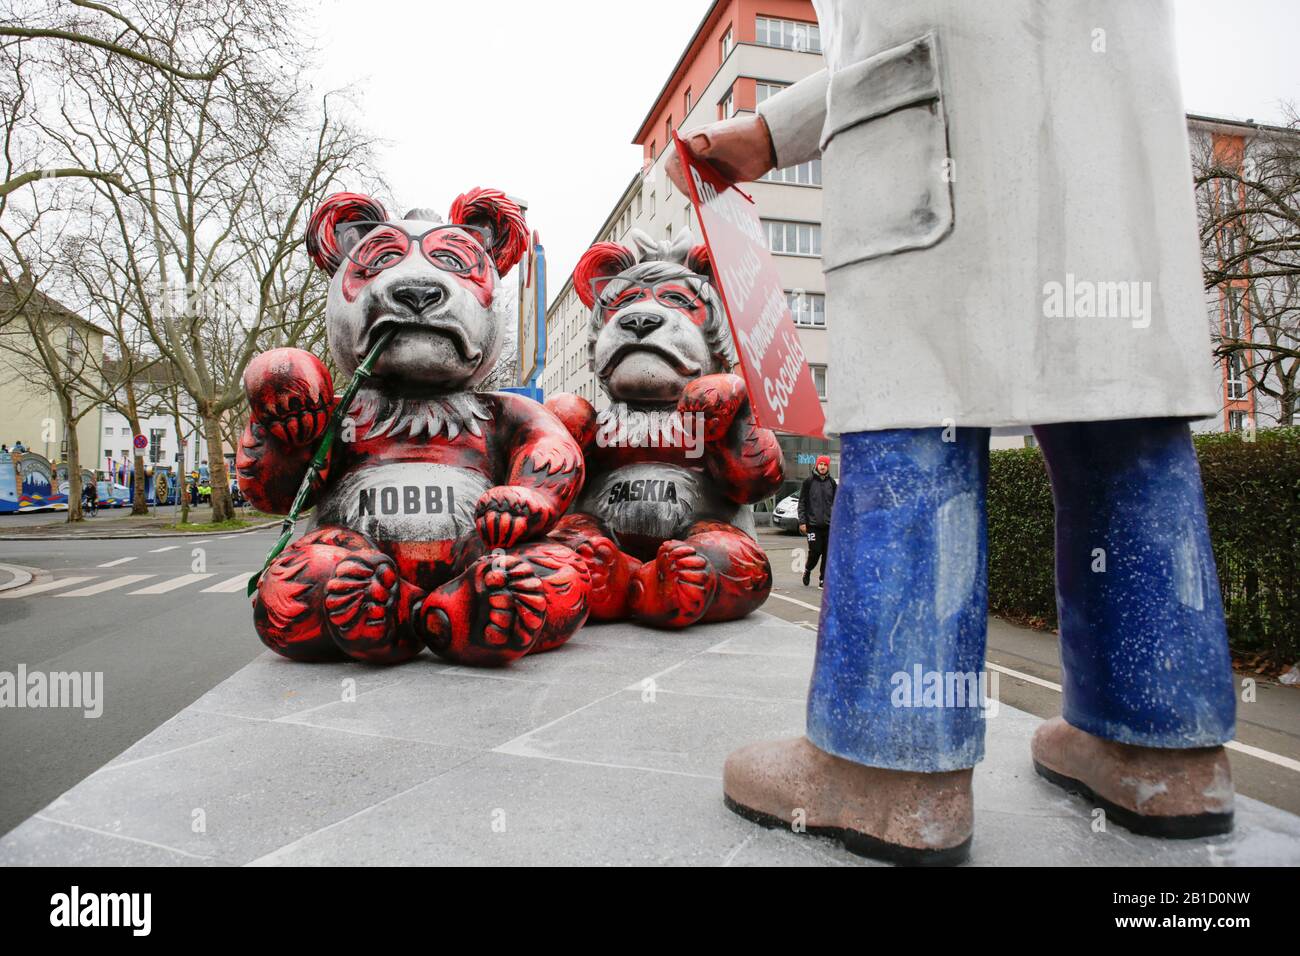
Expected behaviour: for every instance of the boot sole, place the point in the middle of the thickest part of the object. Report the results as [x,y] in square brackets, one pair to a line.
[1187,827]
[861,844]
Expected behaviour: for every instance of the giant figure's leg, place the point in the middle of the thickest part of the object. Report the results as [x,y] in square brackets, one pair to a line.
[332,595]
[894,717]
[1147,680]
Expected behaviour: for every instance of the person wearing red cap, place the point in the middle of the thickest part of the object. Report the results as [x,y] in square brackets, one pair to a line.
[815,500]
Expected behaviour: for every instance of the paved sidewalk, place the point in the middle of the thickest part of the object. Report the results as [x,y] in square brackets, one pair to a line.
[111,523]
[607,751]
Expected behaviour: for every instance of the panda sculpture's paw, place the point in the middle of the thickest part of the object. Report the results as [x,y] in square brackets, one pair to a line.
[361,601]
[676,588]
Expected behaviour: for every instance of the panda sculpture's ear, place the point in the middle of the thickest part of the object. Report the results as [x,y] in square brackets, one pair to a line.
[698,261]
[494,211]
[602,259]
[328,235]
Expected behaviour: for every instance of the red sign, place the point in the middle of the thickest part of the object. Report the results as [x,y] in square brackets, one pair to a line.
[772,360]
[141,442]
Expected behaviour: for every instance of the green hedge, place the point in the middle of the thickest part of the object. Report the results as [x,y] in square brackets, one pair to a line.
[1252,494]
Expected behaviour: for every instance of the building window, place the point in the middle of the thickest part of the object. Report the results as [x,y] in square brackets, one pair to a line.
[808,309]
[805,174]
[819,380]
[788,34]
[1236,421]
[763,90]
[668,131]
[793,238]
[1236,378]
[727,105]
[686,101]
[155,444]
[126,431]
[108,431]
[727,43]
[654,151]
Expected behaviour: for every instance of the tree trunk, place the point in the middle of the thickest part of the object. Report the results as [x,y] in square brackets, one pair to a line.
[73,461]
[182,477]
[223,509]
[139,500]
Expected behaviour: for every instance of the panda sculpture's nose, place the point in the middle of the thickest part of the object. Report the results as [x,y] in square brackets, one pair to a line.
[420,297]
[641,324]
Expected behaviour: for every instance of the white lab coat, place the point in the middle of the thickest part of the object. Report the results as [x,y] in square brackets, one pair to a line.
[1010,236]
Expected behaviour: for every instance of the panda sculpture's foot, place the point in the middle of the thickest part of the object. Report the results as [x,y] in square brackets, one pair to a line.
[675,589]
[362,601]
[490,615]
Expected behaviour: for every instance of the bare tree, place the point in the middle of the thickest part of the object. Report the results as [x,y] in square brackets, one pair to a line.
[86,23]
[223,176]
[1249,205]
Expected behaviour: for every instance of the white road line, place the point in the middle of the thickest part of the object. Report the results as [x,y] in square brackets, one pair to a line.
[1277,759]
[782,597]
[41,588]
[170,547]
[113,564]
[1021,675]
[162,587]
[101,586]
[204,541]
[230,585]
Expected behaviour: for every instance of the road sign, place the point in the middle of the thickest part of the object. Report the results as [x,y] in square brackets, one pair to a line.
[772,359]
[140,442]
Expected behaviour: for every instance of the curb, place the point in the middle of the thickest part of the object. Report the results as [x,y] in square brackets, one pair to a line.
[21,576]
[141,534]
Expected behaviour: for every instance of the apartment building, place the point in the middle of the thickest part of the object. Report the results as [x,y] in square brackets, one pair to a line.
[741,53]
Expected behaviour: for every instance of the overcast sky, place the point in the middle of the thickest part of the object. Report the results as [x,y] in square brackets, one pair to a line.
[542,99]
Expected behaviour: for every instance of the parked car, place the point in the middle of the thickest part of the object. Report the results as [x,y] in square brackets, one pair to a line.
[786,514]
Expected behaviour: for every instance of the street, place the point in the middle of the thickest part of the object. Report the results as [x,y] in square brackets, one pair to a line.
[165,620]
[161,632]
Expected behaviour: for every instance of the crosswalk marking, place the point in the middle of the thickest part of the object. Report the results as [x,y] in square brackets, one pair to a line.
[170,547]
[162,587]
[230,585]
[113,564]
[41,588]
[99,587]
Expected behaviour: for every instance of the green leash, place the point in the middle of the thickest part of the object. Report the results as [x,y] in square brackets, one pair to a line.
[322,456]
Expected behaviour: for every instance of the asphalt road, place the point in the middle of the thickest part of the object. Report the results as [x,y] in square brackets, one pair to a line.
[191,628]
[158,652]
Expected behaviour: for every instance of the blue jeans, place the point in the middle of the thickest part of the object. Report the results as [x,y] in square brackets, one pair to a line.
[900,645]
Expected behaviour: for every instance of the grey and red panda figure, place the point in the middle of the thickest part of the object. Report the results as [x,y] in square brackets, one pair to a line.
[675,461]
[431,522]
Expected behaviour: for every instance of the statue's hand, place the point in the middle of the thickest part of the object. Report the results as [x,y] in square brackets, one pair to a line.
[718,398]
[290,394]
[740,149]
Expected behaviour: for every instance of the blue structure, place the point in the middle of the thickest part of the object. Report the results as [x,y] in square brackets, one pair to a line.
[1143,642]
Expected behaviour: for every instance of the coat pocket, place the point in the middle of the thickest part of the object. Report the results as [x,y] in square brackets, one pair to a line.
[885,163]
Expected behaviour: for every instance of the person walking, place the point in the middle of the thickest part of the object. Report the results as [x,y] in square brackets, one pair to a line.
[816,497]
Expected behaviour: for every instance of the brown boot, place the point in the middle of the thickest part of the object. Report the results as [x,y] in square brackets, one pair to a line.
[896,815]
[1178,794]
